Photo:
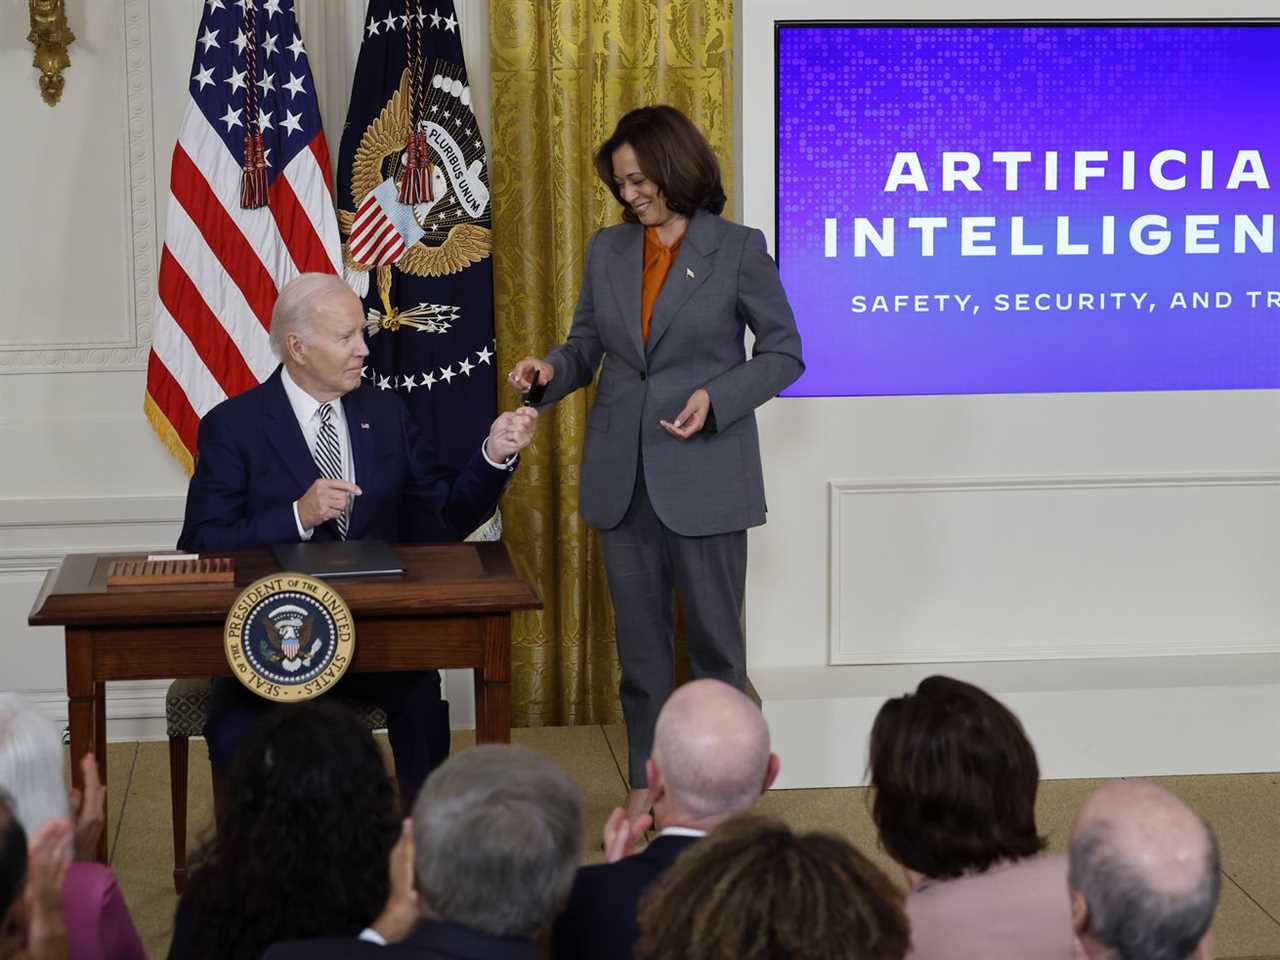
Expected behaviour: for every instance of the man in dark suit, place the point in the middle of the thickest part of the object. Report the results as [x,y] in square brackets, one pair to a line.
[710,761]
[496,836]
[313,454]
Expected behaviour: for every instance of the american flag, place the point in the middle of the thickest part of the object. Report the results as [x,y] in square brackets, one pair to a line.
[222,266]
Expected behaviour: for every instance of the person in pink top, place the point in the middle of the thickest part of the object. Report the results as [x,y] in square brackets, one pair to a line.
[97,920]
[954,782]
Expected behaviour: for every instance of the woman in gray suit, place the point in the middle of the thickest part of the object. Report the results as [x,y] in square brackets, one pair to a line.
[671,474]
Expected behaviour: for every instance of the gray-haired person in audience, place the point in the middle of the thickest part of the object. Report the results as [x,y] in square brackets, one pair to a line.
[1144,876]
[481,869]
[710,761]
[31,755]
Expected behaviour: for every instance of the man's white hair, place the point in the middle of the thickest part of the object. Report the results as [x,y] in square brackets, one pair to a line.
[296,304]
[712,746]
[31,763]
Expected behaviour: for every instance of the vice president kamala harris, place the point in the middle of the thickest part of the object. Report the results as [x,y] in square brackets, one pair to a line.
[671,474]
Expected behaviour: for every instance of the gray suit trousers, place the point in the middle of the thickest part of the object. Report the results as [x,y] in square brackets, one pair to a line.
[645,562]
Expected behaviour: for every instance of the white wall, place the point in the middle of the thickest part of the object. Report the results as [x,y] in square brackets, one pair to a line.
[83,191]
[974,528]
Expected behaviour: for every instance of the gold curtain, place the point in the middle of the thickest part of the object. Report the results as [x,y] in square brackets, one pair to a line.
[563,72]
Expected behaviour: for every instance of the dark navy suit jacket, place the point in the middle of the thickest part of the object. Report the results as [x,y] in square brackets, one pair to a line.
[253,463]
[431,941]
[600,918]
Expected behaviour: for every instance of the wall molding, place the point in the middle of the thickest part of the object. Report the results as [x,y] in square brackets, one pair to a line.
[850,494]
[129,353]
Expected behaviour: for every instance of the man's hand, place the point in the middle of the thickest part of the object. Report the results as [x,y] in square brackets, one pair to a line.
[622,835]
[48,857]
[692,418]
[88,810]
[402,912]
[511,433]
[325,500]
[521,375]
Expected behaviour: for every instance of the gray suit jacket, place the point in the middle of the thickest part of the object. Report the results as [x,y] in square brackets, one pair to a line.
[722,282]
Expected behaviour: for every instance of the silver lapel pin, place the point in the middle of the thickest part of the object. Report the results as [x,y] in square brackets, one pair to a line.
[688,273]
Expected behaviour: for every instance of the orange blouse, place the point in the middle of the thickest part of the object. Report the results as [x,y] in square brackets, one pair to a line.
[657,264]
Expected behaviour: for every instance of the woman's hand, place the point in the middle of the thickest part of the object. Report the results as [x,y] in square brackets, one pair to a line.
[48,857]
[88,810]
[692,418]
[521,375]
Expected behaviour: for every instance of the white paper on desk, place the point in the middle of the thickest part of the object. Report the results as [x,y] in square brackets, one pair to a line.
[164,557]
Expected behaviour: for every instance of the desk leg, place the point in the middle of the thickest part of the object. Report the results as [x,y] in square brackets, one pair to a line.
[493,683]
[86,711]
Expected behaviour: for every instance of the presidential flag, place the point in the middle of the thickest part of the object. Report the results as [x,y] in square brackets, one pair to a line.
[250,207]
[413,208]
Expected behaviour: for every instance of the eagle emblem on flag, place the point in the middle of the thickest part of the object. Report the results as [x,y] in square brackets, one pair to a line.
[441,235]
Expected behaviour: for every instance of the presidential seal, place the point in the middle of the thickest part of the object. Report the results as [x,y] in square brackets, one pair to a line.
[289,637]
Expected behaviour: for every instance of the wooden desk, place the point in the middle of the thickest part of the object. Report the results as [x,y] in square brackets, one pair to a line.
[452,608]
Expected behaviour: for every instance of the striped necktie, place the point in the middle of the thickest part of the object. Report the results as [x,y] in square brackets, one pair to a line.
[328,455]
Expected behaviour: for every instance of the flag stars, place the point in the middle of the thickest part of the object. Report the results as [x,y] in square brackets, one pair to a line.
[294,86]
[465,367]
[292,121]
[204,77]
[389,24]
[269,44]
[422,18]
[215,5]
[236,80]
[447,374]
[428,380]
[384,383]
[296,48]
[408,383]
[241,41]
[484,355]
[404,21]
[264,120]
[435,19]
[210,39]
[231,118]
[450,24]
[271,8]
[373,28]
[267,83]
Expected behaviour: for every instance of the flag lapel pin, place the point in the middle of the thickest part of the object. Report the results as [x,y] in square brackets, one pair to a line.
[689,273]
[364,425]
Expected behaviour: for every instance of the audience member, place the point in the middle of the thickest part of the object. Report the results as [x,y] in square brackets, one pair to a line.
[497,833]
[710,761]
[954,781]
[754,890]
[31,755]
[302,851]
[1144,876]
[32,925]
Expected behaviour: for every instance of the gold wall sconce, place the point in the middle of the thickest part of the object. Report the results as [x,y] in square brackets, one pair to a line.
[51,36]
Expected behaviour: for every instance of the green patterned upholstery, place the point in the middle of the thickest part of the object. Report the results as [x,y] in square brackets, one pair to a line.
[186,706]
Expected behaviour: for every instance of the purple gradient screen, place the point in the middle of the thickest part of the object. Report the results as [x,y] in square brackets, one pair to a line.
[1036,284]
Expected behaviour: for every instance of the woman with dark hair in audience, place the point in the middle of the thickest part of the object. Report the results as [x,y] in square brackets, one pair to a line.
[753,890]
[304,847]
[98,925]
[954,780]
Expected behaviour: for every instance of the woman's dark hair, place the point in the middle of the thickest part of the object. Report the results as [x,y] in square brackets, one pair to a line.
[954,779]
[303,850]
[672,153]
[753,890]
[13,855]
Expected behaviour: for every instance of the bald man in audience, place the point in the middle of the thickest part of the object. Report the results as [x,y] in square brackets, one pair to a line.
[710,761]
[1144,878]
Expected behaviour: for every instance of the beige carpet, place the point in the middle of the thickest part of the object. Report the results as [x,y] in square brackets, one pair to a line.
[1245,810]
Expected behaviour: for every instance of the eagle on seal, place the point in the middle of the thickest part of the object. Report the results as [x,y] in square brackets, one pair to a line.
[284,645]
